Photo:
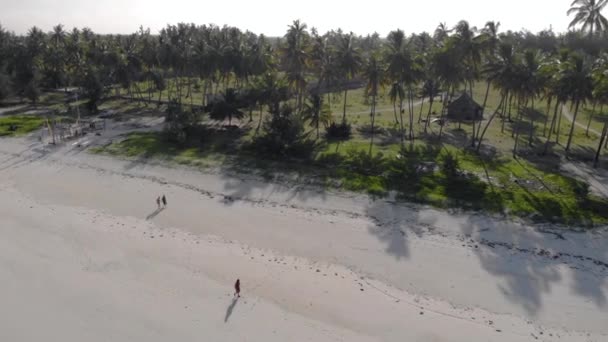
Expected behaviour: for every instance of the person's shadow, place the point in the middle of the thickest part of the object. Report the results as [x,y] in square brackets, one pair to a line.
[230,308]
[156,212]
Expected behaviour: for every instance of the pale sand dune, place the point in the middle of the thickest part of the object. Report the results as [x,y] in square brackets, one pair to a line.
[79,261]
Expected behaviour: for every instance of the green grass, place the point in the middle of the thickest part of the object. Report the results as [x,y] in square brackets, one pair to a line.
[519,187]
[17,125]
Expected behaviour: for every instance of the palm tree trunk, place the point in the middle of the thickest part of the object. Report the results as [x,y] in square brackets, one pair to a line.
[532,128]
[502,126]
[344,108]
[420,113]
[559,125]
[395,112]
[473,134]
[551,128]
[260,121]
[591,117]
[373,112]
[531,136]
[596,159]
[428,115]
[485,101]
[443,108]
[577,105]
[483,133]
[401,121]
[515,144]
[411,113]
[547,116]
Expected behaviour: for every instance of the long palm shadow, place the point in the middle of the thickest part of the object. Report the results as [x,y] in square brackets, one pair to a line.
[230,309]
[153,214]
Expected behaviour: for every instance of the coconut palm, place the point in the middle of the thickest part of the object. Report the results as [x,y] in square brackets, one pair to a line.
[576,74]
[316,112]
[296,58]
[502,72]
[430,89]
[349,63]
[374,74]
[470,49]
[228,107]
[588,13]
[396,93]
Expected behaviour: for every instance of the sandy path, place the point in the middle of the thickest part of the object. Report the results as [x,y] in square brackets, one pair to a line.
[465,270]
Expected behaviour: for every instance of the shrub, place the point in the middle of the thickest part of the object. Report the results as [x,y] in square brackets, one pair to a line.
[341,131]
[283,136]
[450,166]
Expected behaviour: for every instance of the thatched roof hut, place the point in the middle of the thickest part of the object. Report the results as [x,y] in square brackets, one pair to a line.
[464,108]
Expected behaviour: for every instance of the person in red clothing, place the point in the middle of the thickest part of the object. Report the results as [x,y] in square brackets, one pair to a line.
[237,288]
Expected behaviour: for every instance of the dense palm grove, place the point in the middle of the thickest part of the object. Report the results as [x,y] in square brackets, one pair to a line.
[298,75]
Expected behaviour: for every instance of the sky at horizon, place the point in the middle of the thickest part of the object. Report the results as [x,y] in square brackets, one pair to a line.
[271,17]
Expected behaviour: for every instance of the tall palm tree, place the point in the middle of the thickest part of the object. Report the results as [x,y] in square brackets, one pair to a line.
[399,60]
[396,93]
[296,58]
[349,62]
[470,49]
[441,32]
[588,13]
[430,89]
[503,74]
[374,74]
[489,41]
[576,74]
[600,90]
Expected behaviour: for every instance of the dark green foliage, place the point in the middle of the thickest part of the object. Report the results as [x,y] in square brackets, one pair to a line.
[228,107]
[283,136]
[93,89]
[339,131]
[180,124]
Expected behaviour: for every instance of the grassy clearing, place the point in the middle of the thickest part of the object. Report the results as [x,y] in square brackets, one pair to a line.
[17,125]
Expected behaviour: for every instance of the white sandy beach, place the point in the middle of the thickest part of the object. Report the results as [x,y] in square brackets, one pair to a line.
[84,256]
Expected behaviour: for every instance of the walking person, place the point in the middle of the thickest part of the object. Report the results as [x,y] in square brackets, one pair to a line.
[237,288]
[164,201]
[158,202]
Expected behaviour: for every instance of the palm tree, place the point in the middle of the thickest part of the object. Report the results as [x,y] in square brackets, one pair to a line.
[316,112]
[557,88]
[576,75]
[445,64]
[431,90]
[296,58]
[374,74]
[489,41]
[399,60]
[588,13]
[228,107]
[600,89]
[396,93]
[470,50]
[441,32]
[349,62]
[502,72]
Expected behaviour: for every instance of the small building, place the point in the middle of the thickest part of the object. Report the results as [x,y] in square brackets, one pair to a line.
[464,108]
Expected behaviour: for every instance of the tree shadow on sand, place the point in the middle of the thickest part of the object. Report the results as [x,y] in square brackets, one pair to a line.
[528,259]
[394,224]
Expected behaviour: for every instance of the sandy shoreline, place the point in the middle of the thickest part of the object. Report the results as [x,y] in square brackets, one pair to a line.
[401,273]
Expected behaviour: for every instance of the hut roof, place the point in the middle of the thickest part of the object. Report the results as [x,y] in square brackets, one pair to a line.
[464,99]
